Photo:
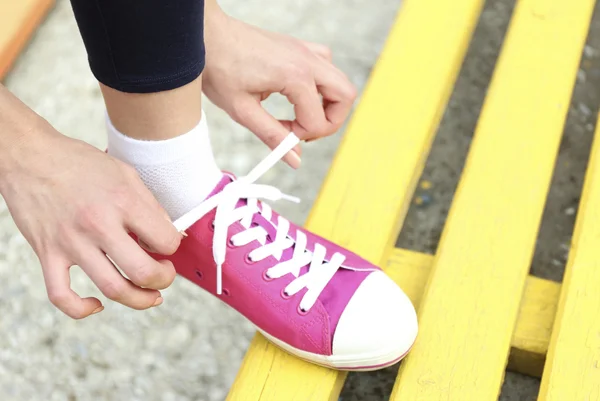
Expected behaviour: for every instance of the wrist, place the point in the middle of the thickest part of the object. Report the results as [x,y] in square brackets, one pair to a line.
[214,20]
[22,134]
[212,10]
[18,150]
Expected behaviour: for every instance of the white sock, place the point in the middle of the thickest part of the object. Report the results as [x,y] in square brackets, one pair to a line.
[180,172]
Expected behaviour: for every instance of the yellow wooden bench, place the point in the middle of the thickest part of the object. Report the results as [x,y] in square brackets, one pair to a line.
[478,307]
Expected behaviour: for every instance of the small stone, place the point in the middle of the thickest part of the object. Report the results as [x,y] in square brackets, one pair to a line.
[581,76]
[585,110]
[426,184]
[423,200]
[81,350]
[570,211]
[179,337]
[169,396]
[17,239]
[589,51]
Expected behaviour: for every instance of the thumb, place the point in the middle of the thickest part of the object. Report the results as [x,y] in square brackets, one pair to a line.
[271,132]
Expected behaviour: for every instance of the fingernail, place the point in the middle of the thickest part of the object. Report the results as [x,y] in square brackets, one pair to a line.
[293,159]
[158,301]
[183,233]
[98,310]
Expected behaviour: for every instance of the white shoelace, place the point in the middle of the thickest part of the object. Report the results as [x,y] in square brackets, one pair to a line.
[320,271]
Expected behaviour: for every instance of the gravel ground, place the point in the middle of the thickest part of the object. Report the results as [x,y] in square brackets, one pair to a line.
[191,346]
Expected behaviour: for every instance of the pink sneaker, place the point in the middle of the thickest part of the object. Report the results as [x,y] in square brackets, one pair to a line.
[307,295]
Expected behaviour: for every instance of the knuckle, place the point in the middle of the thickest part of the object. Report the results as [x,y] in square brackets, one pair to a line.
[121,197]
[62,301]
[91,219]
[75,313]
[271,139]
[67,235]
[238,111]
[300,71]
[171,244]
[58,298]
[331,129]
[326,51]
[318,127]
[144,275]
[114,290]
[167,276]
[352,92]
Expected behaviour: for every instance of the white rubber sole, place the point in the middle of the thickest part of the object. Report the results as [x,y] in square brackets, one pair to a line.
[357,362]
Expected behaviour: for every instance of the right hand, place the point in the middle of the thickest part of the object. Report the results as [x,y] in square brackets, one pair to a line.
[322,94]
[75,205]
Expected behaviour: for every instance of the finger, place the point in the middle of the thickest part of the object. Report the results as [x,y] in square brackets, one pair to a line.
[310,117]
[289,128]
[140,267]
[249,113]
[113,285]
[152,225]
[319,49]
[338,94]
[58,286]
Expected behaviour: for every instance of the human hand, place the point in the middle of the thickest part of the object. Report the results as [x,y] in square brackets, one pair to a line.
[246,64]
[75,204]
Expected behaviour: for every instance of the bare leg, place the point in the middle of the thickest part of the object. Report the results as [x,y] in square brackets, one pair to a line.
[155,116]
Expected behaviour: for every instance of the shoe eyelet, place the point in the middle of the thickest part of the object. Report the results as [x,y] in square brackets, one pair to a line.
[284,294]
[226,292]
[199,274]
[249,259]
[269,238]
[230,243]
[266,276]
[212,225]
[301,311]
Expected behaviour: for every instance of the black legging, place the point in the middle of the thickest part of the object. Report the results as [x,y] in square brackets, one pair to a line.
[142,46]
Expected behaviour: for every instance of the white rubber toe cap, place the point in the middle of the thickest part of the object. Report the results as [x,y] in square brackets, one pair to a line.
[379,324]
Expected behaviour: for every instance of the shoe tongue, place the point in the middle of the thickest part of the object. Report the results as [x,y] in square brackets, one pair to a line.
[272,231]
[227,179]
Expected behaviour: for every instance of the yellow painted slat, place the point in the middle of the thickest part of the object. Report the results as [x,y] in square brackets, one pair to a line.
[367,192]
[18,20]
[572,370]
[531,337]
[410,269]
[471,302]
[529,343]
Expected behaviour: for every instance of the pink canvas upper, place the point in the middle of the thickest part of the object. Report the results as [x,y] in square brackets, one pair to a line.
[247,289]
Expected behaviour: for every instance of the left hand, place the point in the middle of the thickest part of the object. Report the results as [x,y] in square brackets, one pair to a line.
[246,64]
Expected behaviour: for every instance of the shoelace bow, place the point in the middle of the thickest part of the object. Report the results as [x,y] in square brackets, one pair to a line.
[320,271]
